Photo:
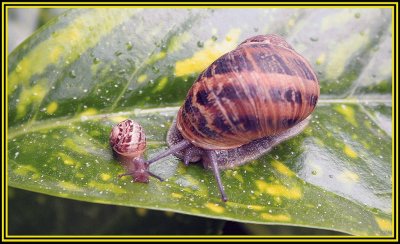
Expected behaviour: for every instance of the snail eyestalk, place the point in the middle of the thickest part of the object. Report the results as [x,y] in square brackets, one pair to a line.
[214,165]
[140,171]
[173,149]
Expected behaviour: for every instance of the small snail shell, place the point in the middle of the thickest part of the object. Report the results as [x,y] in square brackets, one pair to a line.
[128,141]
[243,104]
[127,138]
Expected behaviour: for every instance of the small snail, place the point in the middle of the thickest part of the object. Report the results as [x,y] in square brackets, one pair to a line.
[128,141]
[243,104]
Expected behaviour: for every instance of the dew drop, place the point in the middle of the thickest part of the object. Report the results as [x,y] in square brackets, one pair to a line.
[129,46]
[200,44]
[117,53]
[72,74]
[214,38]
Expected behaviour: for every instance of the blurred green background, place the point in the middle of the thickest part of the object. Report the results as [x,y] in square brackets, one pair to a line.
[37,214]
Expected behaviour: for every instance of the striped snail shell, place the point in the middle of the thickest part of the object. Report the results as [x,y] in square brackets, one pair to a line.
[127,138]
[246,102]
[261,88]
[128,141]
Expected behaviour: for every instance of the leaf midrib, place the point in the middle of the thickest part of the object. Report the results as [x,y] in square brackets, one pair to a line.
[65,121]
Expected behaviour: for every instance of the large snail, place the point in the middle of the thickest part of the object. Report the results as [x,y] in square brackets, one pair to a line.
[243,104]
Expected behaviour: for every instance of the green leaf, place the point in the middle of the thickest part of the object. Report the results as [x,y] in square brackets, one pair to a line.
[89,69]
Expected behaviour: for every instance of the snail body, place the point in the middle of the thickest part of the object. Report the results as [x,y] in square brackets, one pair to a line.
[243,104]
[128,142]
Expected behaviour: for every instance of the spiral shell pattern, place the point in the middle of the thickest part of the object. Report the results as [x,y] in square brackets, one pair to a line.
[127,138]
[261,88]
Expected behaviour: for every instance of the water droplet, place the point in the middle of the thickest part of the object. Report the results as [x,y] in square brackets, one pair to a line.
[117,53]
[96,60]
[85,90]
[200,44]
[214,38]
[72,74]
[357,15]
[314,39]
[314,172]
[129,46]
[155,69]
[255,29]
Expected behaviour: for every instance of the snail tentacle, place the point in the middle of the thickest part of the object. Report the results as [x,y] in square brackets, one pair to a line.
[212,157]
[173,149]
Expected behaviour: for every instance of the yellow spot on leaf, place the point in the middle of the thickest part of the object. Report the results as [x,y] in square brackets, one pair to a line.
[89,112]
[176,42]
[30,96]
[348,113]
[176,195]
[141,212]
[24,170]
[279,190]
[74,37]
[256,207]
[291,22]
[281,168]
[278,217]
[384,224]
[349,177]
[215,208]
[321,59]
[69,186]
[77,144]
[55,53]
[343,52]
[211,51]
[237,176]
[52,107]
[106,187]
[105,177]
[340,18]
[67,159]
[161,84]
[142,78]
[156,57]
[350,152]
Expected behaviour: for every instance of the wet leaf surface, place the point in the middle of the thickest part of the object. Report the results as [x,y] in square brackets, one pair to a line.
[89,69]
